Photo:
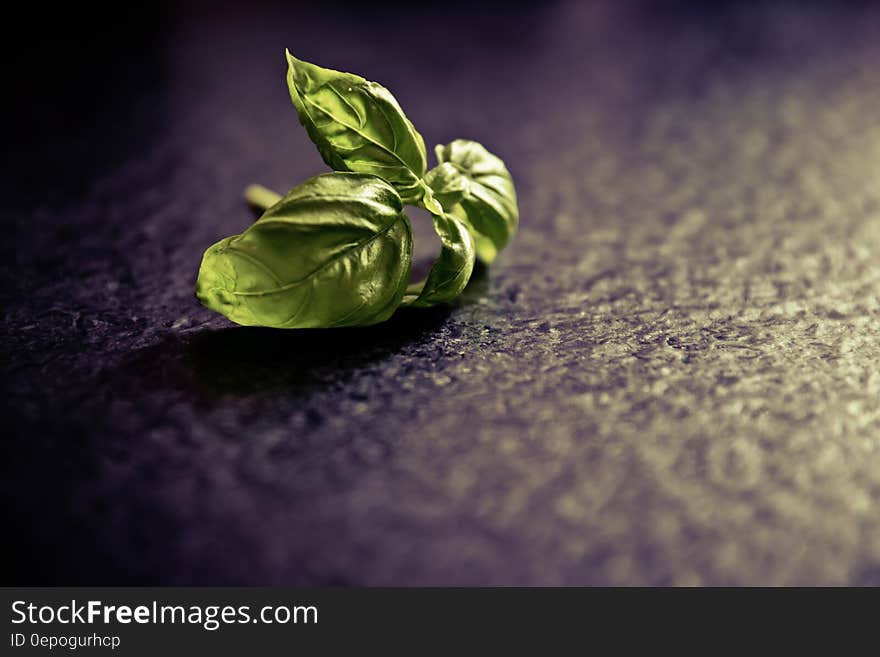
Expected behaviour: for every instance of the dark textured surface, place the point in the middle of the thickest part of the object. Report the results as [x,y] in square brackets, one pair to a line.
[671,377]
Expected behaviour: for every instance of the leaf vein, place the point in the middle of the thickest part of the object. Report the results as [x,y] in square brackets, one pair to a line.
[340,256]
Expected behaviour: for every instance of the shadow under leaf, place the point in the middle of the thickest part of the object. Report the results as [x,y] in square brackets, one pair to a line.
[244,361]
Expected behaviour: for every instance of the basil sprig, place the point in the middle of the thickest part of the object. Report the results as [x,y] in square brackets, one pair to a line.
[337,250]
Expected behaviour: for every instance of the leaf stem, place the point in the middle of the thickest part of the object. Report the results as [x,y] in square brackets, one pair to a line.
[428,202]
[261,197]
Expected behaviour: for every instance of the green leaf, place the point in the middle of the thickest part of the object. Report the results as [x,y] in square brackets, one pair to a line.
[451,271]
[358,126]
[334,251]
[485,193]
[448,185]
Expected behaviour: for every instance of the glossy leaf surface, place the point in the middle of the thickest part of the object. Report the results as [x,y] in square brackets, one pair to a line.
[334,251]
[452,269]
[448,184]
[487,195]
[358,126]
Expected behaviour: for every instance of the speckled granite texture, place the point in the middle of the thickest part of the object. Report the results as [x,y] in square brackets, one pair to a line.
[671,377]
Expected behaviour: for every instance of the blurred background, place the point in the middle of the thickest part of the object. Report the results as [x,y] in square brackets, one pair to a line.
[670,377]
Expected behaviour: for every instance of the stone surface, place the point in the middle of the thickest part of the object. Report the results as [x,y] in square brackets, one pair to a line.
[671,376]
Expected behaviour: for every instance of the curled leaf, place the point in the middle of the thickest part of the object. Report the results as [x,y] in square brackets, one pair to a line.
[451,271]
[448,185]
[485,192]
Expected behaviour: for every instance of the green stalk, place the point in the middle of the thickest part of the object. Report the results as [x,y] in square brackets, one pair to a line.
[261,197]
